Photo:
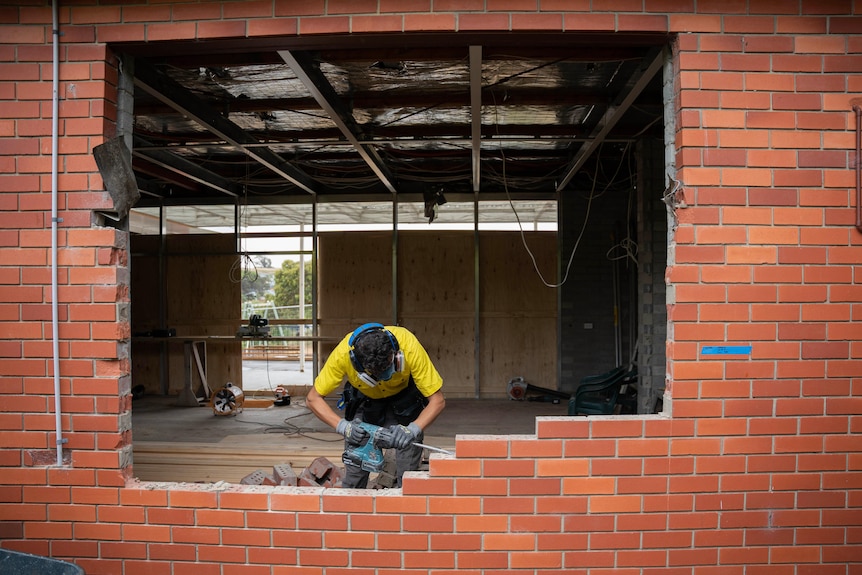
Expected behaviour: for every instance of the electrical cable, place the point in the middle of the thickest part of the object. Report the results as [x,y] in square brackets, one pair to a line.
[521,226]
[627,244]
[268,379]
[243,268]
[290,429]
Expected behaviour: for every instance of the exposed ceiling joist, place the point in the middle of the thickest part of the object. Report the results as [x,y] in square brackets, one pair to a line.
[520,97]
[186,168]
[171,93]
[359,117]
[322,91]
[476,113]
[650,64]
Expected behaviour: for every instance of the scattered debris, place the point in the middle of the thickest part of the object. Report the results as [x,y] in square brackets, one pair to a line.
[321,473]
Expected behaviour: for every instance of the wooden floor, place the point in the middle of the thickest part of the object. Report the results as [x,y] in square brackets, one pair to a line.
[192,444]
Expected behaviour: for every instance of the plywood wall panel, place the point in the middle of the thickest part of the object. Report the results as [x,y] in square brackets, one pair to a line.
[436,299]
[354,280]
[450,344]
[518,326]
[201,300]
[509,282]
[517,347]
[436,273]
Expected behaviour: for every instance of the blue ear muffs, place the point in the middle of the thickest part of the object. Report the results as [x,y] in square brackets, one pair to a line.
[366,377]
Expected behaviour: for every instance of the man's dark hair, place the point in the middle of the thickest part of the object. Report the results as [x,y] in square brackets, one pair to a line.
[374,350]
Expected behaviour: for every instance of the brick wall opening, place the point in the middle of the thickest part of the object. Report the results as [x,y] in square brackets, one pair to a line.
[597,314]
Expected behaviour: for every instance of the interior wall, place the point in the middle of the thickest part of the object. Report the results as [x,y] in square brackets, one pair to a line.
[651,289]
[436,299]
[590,314]
[518,325]
[201,300]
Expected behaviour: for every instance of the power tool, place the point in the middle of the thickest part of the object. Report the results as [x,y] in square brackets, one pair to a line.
[257,327]
[369,455]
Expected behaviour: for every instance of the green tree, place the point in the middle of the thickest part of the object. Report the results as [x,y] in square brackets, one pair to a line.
[287,286]
[256,283]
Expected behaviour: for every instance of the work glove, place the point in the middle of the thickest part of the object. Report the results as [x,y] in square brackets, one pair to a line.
[404,436]
[354,433]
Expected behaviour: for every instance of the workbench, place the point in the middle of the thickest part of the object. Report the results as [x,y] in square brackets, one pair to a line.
[194,358]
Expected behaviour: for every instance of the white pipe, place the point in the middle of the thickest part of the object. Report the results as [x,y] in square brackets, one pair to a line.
[55,112]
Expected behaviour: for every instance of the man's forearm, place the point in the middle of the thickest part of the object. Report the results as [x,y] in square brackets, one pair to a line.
[318,406]
[436,403]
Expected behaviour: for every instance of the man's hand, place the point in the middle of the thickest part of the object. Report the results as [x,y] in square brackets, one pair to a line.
[404,436]
[354,433]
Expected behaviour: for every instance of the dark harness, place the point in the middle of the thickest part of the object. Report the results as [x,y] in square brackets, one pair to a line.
[406,405]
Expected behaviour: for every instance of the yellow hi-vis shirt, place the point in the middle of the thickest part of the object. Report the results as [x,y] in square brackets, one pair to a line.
[416,364]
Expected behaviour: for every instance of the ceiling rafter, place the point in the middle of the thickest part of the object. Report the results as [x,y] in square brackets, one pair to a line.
[476,113]
[177,97]
[519,97]
[424,111]
[311,76]
[650,64]
[185,168]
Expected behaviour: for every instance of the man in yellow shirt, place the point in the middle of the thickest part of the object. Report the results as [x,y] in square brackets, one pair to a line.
[391,382]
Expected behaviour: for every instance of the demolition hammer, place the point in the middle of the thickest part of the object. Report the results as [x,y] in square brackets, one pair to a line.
[369,455]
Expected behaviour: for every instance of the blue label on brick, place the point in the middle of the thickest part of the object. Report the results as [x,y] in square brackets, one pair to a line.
[726,350]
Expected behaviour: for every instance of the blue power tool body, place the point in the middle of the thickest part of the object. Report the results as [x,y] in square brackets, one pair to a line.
[369,455]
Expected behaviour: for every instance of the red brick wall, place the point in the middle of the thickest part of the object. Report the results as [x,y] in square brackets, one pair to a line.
[758,470]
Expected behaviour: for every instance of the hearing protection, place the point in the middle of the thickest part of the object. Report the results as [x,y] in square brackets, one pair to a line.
[367,378]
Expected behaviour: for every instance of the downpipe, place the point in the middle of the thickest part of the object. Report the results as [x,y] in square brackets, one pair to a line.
[858,110]
[55,324]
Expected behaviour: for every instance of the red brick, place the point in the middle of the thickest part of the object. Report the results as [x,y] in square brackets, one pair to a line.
[122,32]
[325,25]
[483,22]
[95,15]
[616,428]
[800,25]
[589,22]
[172,31]
[642,23]
[844,25]
[435,22]
[24,35]
[405,6]
[564,5]
[537,22]
[481,524]
[384,23]
[632,5]
[293,8]
[694,23]
[98,531]
[614,467]
[221,29]
[749,24]
[615,504]
[702,99]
